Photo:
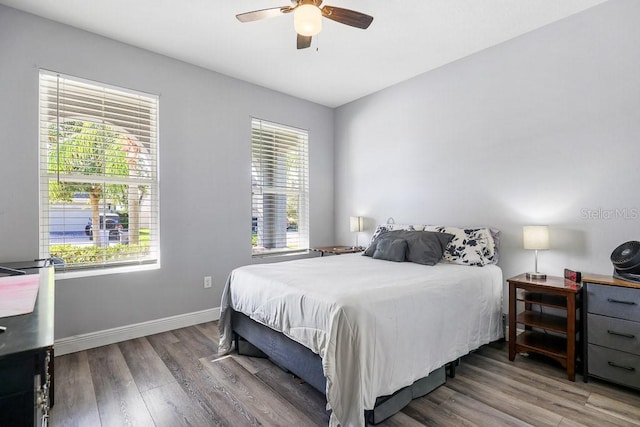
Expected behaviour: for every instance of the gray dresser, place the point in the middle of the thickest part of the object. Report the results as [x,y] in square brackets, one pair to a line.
[612,330]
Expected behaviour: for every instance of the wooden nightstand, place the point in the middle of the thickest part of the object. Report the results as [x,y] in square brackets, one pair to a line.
[337,250]
[554,292]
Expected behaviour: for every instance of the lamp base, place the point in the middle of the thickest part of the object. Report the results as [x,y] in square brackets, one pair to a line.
[536,276]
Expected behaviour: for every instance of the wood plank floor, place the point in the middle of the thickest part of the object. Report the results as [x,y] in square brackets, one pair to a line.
[176,379]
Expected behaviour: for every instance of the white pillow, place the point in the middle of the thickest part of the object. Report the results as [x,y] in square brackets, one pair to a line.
[469,246]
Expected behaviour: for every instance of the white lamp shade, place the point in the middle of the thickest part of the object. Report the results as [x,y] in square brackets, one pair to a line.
[356,224]
[307,20]
[535,236]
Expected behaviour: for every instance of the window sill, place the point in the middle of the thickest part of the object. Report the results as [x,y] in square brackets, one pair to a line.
[283,255]
[74,274]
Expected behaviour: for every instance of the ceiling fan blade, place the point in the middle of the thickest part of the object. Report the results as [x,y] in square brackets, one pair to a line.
[304,41]
[347,16]
[263,13]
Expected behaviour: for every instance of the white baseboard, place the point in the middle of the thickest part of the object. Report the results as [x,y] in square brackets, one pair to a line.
[110,336]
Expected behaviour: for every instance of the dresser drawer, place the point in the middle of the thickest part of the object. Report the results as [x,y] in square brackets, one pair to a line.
[614,333]
[613,365]
[614,301]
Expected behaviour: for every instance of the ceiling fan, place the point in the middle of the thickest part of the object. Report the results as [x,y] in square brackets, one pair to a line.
[307,18]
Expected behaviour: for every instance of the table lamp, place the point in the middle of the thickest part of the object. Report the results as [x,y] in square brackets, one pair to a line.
[356,225]
[535,237]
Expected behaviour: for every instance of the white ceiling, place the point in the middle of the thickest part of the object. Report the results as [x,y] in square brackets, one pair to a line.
[406,38]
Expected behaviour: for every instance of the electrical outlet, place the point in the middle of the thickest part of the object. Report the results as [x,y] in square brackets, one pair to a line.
[207,281]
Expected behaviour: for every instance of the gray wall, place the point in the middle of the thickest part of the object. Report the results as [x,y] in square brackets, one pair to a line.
[204,169]
[537,130]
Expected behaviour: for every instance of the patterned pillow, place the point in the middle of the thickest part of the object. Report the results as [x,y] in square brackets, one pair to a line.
[383,228]
[469,246]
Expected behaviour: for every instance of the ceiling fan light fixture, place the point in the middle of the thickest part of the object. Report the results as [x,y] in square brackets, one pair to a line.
[307,20]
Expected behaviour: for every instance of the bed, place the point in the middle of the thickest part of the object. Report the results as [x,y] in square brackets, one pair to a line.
[360,329]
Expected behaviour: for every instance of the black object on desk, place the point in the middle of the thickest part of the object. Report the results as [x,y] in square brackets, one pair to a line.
[26,357]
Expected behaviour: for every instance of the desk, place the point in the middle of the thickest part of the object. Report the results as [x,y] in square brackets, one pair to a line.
[26,359]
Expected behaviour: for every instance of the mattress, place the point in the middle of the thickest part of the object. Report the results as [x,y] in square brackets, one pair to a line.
[377,325]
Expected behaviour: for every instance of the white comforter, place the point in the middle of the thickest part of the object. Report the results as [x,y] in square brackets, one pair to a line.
[378,325]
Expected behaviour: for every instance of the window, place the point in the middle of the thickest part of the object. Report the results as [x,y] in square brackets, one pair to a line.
[98,174]
[280,188]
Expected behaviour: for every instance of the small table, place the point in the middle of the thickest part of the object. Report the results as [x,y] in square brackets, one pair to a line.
[337,250]
[553,292]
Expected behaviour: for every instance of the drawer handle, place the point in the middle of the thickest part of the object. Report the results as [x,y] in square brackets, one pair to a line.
[626,368]
[621,334]
[621,302]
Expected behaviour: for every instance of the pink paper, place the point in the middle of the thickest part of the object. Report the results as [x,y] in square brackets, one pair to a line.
[18,294]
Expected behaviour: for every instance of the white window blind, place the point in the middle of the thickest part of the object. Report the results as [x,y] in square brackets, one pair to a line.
[280,188]
[98,174]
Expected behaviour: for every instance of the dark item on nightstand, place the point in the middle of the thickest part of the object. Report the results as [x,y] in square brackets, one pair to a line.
[612,330]
[337,250]
[560,344]
[626,261]
[574,276]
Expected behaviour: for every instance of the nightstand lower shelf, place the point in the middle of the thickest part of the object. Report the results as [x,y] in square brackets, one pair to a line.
[548,345]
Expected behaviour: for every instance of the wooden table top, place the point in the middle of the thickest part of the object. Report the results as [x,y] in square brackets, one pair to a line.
[551,282]
[338,249]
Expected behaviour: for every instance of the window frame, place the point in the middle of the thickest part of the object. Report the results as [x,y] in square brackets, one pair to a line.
[143,141]
[301,178]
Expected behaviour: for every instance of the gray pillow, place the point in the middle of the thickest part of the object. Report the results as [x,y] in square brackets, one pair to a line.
[391,249]
[372,247]
[423,247]
[426,247]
